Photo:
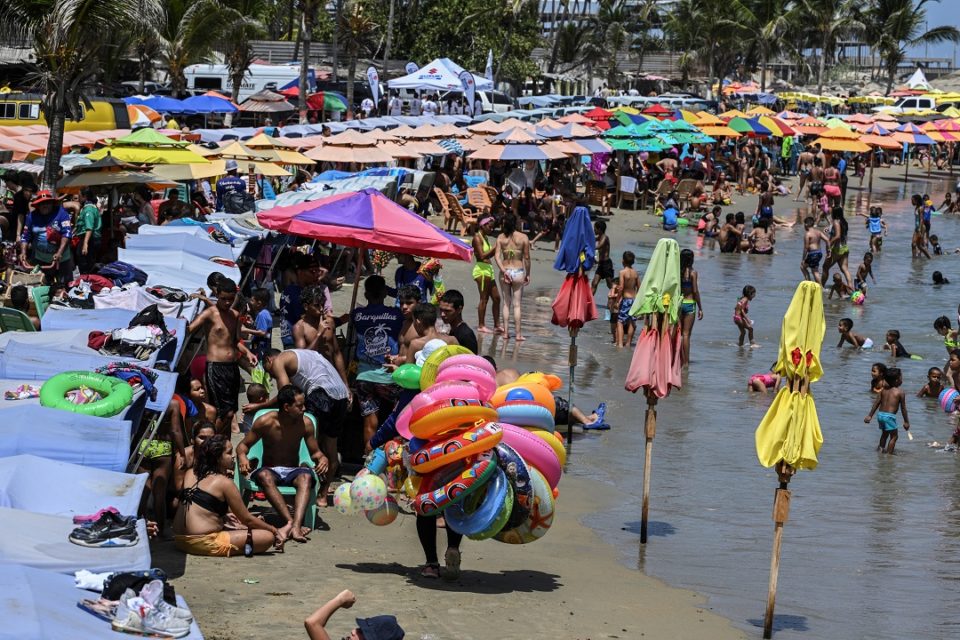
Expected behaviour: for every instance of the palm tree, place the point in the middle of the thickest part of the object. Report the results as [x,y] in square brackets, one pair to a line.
[356,36]
[187,39]
[240,23]
[611,32]
[67,36]
[706,30]
[645,17]
[308,10]
[829,20]
[896,25]
[768,21]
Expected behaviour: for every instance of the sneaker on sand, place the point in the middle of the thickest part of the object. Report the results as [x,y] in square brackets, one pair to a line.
[137,617]
[152,592]
[110,530]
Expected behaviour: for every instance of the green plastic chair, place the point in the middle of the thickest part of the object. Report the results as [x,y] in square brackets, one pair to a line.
[14,320]
[248,487]
[41,300]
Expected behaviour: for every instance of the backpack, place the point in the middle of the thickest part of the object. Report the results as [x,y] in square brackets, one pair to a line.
[239,202]
[149,316]
[123,273]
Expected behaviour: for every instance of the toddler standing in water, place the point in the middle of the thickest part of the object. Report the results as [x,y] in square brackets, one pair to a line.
[740,318]
[890,400]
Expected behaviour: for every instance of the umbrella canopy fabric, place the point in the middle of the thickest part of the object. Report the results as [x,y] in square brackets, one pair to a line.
[842,144]
[442,74]
[578,244]
[345,153]
[208,104]
[365,219]
[516,152]
[82,179]
[790,431]
[148,155]
[141,115]
[748,126]
[266,102]
[160,104]
[574,305]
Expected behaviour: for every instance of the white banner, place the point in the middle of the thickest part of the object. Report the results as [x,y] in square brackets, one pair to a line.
[411,68]
[488,72]
[469,89]
[373,79]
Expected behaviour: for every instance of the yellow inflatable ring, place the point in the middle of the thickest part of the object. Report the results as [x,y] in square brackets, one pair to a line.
[455,414]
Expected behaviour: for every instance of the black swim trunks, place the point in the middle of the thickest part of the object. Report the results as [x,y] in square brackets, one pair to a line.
[223,384]
[813,259]
[605,269]
[330,413]
[563,410]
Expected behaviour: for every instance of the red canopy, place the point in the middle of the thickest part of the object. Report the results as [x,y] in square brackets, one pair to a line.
[598,114]
[657,110]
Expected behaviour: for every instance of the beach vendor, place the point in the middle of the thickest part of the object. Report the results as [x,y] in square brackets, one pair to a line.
[45,239]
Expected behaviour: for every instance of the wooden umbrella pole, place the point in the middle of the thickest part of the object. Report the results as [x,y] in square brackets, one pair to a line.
[906,163]
[873,160]
[781,510]
[353,303]
[572,357]
[650,428]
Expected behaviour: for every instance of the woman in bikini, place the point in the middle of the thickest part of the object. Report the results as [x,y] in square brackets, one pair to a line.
[484,277]
[831,183]
[690,307]
[202,431]
[209,495]
[762,238]
[839,252]
[512,255]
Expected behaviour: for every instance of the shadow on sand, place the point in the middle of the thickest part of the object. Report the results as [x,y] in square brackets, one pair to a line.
[470,581]
[783,623]
[654,528]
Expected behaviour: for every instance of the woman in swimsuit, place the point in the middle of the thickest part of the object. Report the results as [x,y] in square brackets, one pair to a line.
[762,238]
[205,502]
[839,252]
[831,183]
[690,307]
[202,431]
[512,255]
[484,277]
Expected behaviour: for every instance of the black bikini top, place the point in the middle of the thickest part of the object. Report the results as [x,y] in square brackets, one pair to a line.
[196,495]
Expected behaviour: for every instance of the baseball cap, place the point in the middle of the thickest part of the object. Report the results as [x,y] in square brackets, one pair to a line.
[231,165]
[380,628]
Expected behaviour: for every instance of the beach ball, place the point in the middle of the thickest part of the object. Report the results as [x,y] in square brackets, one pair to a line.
[948,400]
[858,298]
[342,501]
[384,514]
[368,492]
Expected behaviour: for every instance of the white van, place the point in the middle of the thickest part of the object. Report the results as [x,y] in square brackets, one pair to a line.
[909,104]
[216,77]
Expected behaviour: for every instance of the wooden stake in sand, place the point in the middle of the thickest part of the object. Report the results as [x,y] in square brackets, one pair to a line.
[781,511]
[650,429]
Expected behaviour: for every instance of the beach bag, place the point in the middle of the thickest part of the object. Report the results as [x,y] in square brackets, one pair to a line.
[239,202]
[123,273]
[149,316]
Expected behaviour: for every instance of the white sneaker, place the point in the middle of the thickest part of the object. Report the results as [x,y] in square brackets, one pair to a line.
[136,616]
[152,592]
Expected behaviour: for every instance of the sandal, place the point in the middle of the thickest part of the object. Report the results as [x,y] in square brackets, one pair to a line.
[431,570]
[452,561]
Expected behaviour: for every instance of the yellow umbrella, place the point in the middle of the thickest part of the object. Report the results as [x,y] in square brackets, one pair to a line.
[842,144]
[760,111]
[951,112]
[705,119]
[733,113]
[276,150]
[630,111]
[718,131]
[215,167]
[148,155]
[789,435]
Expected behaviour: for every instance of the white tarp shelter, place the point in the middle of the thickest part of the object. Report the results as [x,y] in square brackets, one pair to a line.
[25,482]
[442,74]
[918,80]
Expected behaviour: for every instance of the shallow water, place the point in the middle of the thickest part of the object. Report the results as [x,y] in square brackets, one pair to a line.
[872,547]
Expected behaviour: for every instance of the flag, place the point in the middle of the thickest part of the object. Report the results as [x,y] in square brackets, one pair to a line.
[488,72]
[373,79]
[469,88]
[411,68]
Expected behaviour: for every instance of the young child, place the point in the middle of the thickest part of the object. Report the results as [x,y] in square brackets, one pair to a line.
[760,382]
[893,345]
[863,271]
[877,228]
[740,317]
[812,250]
[256,394]
[877,373]
[935,245]
[613,310]
[934,384]
[262,332]
[213,284]
[890,400]
[951,338]
[939,279]
[839,287]
[845,327]
[19,301]
[629,283]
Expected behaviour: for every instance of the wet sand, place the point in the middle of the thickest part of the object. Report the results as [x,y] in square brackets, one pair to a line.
[570,584]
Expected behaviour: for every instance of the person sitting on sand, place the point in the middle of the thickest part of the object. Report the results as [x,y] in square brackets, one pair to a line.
[202,431]
[209,494]
[282,432]
[375,628]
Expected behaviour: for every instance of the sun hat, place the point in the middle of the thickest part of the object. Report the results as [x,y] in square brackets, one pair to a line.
[380,628]
[231,165]
[430,347]
[43,196]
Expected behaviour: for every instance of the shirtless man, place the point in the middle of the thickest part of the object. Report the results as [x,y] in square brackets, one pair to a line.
[425,324]
[408,332]
[604,263]
[812,250]
[282,432]
[729,235]
[315,330]
[805,166]
[222,380]
[327,398]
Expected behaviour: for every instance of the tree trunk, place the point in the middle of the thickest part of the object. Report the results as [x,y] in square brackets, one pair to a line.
[552,64]
[351,79]
[389,42]
[291,13]
[335,40]
[763,73]
[822,65]
[51,163]
[891,78]
[710,95]
[237,80]
[306,36]
[142,59]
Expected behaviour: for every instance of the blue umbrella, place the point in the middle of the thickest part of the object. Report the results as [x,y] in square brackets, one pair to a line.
[160,104]
[207,104]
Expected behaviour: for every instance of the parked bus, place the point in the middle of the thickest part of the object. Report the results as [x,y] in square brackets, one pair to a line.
[21,109]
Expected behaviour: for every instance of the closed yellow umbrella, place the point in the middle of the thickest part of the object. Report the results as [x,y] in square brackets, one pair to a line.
[789,435]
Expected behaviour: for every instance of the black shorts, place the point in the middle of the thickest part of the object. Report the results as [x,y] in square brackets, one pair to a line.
[223,382]
[563,411]
[605,269]
[330,413]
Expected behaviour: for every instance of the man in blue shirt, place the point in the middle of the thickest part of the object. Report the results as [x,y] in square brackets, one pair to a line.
[45,240]
[231,183]
[377,326]
[409,273]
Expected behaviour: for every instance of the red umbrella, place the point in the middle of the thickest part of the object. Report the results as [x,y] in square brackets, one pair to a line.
[598,114]
[574,306]
[657,110]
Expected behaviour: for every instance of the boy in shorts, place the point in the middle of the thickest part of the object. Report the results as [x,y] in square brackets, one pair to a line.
[629,283]
[890,399]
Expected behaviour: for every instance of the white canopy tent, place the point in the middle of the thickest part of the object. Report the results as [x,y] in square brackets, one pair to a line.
[442,74]
[918,80]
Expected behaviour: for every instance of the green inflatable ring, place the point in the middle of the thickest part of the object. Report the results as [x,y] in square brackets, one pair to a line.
[682,222]
[117,394]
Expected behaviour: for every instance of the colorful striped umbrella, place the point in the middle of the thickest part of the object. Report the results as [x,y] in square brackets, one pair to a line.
[749,127]
[778,128]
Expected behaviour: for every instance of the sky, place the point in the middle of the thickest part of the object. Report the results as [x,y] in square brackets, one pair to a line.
[941,13]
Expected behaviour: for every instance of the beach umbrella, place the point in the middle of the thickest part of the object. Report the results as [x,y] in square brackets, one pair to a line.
[708,119]
[367,154]
[719,131]
[655,366]
[574,305]
[656,110]
[777,127]
[732,113]
[110,172]
[576,118]
[597,114]
[759,111]
[909,133]
[266,101]
[789,436]
[748,127]
[141,115]
[146,146]
[632,111]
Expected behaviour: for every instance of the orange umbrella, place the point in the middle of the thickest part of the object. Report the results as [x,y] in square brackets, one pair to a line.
[349,154]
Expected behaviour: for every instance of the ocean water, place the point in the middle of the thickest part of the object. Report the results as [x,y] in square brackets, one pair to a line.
[872,546]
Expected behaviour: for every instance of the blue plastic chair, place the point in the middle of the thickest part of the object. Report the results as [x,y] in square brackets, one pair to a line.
[248,487]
